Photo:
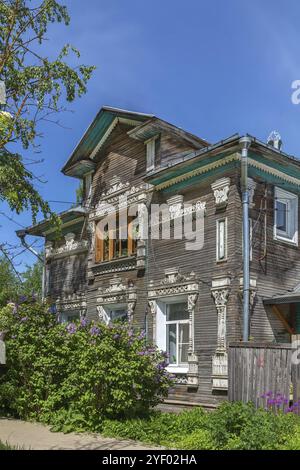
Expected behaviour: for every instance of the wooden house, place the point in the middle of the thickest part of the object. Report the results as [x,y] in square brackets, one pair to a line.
[187,298]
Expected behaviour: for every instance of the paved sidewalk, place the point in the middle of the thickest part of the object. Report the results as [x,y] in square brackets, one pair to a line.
[39,437]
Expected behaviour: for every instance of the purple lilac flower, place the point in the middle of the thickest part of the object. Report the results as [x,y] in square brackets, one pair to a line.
[94,331]
[141,353]
[71,328]
[117,336]
[83,322]
[24,319]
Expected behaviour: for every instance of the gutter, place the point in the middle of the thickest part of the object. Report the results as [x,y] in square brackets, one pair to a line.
[245,143]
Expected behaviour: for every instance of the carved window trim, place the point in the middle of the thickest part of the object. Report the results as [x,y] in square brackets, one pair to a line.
[176,286]
[116,294]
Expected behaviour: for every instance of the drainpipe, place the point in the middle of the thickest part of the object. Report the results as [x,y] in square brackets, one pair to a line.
[245,143]
[22,234]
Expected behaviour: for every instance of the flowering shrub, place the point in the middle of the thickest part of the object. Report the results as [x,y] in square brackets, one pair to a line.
[76,374]
[279,402]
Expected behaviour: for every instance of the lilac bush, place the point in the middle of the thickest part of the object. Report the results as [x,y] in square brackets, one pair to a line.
[81,368]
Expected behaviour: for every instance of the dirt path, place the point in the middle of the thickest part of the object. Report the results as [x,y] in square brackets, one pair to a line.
[39,437]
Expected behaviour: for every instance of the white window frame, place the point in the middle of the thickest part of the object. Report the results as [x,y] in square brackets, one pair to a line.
[150,153]
[177,323]
[161,338]
[291,201]
[218,239]
[113,308]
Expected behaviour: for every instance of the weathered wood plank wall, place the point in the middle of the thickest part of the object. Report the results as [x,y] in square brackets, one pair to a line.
[256,368]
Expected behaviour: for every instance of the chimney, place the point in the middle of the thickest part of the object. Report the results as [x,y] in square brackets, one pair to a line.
[274,139]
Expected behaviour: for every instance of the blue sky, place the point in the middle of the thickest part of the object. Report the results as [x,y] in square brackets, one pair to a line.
[212,67]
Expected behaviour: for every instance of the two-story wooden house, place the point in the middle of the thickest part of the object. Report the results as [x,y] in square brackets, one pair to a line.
[187,297]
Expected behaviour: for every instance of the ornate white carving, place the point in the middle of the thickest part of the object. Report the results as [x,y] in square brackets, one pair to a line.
[175,283]
[220,292]
[177,209]
[113,201]
[117,293]
[221,189]
[115,186]
[152,306]
[252,290]
[72,302]
[70,245]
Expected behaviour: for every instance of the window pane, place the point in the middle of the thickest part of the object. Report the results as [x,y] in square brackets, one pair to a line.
[177,312]
[281,216]
[118,314]
[171,343]
[183,343]
[221,239]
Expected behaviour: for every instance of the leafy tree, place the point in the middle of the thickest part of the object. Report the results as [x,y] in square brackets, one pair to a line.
[9,283]
[36,87]
[13,286]
[32,280]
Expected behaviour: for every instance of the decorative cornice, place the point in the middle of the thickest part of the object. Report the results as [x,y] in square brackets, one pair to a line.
[223,162]
[115,266]
[120,199]
[71,302]
[174,283]
[198,171]
[71,246]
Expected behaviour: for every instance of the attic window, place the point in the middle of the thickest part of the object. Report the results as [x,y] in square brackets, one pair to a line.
[152,146]
[88,186]
[286,216]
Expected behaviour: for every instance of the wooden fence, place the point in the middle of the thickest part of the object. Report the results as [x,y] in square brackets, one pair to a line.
[257,368]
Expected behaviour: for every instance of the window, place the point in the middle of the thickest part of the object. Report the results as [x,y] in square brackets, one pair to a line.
[177,333]
[87,186]
[285,216]
[69,317]
[118,314]
[152,146]
[222,239]
[112,246]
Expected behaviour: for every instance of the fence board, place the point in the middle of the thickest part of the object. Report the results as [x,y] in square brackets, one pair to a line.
[256,368]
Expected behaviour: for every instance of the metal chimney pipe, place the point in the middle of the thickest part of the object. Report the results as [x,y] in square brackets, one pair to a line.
[245,143]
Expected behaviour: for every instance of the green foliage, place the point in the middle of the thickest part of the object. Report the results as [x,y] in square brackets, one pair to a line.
[9,284]
[79,193]
[243,427]
[159,428]
[7,446]
[11,287]
[72,376]
[228,420]
[36,88]
[32,280]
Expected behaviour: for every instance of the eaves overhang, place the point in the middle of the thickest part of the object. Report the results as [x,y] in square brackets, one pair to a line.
[98,131]
[264,162]
[75,214]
